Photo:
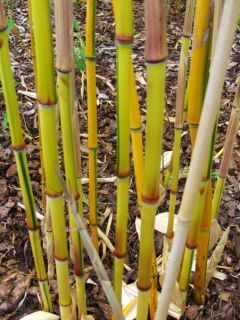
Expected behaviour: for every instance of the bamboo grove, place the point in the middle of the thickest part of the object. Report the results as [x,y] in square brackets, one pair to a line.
[207,37]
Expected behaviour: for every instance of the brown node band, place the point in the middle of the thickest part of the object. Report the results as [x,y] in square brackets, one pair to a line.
[91,58]
[124,39]
[64,71]
[65,305]
[47,104]
[19,148]
[136,129]
[60,259]
[157,61]
[54,195]
[37,228]
[174,192]
[93,224]
[191,247]
[123,175]
[77,269]
[150,200]
[119,255]
[141,288]
[42,280]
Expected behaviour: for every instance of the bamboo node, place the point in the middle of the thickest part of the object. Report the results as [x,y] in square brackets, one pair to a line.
[92,58]
[123,175]
[120,256]
[19,148]
[142,288]
[47,105]
[157,61]
[150,201]
[124,39]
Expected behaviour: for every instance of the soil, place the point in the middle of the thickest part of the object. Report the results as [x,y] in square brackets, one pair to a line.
[19,293]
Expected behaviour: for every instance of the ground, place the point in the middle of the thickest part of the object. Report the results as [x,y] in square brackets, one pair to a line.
[19,288]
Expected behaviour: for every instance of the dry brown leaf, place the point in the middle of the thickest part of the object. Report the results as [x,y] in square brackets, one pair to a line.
[225,296]
[12,170]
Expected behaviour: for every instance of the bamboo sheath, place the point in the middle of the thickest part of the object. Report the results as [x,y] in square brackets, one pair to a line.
[207,122]
[21,160]
[46,96]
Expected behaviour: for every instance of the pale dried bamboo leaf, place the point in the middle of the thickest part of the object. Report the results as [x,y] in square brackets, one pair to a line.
[129,302]
[215,234]
[41,315]
[161,222]
[216,256]
[165,159]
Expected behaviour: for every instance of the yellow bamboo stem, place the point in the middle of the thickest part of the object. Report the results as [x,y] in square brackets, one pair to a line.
[46,96]
[92,118]
[124,37]
[155,55]
[197,75]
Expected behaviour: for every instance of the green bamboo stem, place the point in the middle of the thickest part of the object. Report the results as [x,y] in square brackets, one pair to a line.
[64,65]
[21,161]
[92,117]
[179,121]
[228,149]
[208,119]
[45,207]
[47,101]
[155,55]
[124,37]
